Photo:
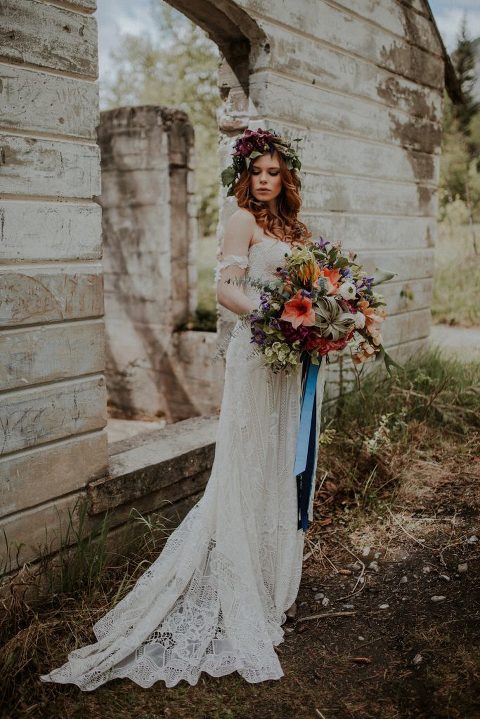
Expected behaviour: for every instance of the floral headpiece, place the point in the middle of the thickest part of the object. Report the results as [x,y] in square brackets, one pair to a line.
[254,143]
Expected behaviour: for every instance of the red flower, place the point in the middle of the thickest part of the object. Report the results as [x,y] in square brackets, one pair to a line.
[299,311]
[324,345]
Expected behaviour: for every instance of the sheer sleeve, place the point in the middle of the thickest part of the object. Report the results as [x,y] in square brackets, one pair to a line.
[228,261]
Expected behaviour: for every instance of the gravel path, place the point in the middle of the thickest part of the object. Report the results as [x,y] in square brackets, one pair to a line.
[460,342]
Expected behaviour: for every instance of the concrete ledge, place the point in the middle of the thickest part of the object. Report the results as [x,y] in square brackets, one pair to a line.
[176,459]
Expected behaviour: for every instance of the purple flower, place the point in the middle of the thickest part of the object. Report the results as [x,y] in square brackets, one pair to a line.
[260,140]
[321,242]
[258,337]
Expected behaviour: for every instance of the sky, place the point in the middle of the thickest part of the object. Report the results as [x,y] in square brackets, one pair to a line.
[121,16]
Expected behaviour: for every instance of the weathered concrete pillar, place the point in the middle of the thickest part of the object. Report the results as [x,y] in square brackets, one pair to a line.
[150,237]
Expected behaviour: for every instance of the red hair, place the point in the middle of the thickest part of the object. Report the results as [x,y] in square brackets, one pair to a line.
[286,226]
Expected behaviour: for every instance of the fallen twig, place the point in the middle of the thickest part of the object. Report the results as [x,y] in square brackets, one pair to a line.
[422,544]
[314,547]
[353,593]
[325,614]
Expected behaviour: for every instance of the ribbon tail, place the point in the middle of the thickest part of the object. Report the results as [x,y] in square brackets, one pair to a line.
[306,449]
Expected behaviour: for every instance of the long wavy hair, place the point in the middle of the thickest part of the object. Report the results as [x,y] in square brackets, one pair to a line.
[286,226]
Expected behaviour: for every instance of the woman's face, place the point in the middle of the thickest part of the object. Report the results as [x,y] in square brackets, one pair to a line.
[265,178]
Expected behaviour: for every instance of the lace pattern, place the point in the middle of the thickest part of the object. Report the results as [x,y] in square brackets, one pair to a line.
[228,261]
[214,600]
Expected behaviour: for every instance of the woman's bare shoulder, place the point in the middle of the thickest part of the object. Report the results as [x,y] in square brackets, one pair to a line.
[243,216]
[242,225]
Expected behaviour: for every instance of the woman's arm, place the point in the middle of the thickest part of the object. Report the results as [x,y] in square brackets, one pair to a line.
[236,240]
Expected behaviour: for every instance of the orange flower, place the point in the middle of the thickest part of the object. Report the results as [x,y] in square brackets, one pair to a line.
[299,311]
[371,319]
[366,352]
[332,277]
[309,272]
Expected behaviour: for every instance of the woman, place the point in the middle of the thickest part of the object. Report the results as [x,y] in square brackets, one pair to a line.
[216,597]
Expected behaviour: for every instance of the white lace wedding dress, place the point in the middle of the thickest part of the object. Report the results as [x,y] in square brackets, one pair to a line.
[215,598]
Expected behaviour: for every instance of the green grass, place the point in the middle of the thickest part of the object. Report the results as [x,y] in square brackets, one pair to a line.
[431,387]
[456,276]
[206,261]
[205,316]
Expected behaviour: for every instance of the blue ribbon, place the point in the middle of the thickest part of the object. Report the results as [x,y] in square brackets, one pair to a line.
[304,467]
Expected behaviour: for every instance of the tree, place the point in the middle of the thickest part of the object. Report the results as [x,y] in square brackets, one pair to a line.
[176,66]
[463,58]
[459,172]
[460,162]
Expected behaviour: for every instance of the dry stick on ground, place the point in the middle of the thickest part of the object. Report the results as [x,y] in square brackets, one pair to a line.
[313,548]
[353,593]
[440,550]
[325,614]
[317,546]
[422,544]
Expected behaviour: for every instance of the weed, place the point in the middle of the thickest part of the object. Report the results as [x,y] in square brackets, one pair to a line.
[373,432]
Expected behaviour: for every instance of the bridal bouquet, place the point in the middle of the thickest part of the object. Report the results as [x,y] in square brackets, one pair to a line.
[320,302]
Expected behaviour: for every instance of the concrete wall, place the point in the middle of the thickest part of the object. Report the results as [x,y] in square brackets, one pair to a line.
[362,84]
[53,403]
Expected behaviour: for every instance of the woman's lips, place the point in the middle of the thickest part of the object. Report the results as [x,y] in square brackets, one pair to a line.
[263,190]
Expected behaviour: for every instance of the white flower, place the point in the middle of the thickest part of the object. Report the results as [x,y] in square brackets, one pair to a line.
[359,320]
[347,290]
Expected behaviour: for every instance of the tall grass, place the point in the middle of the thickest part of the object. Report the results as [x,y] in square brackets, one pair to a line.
[372,433]
[431,387]
[64,594]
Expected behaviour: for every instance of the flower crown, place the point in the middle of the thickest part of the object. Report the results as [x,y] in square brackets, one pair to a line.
[254,143]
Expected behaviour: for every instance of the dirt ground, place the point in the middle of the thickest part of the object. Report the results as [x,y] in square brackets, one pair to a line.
[387,623]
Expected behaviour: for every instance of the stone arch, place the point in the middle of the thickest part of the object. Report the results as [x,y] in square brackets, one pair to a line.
[230,27]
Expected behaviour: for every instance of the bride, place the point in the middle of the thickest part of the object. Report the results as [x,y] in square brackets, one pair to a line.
[216,597]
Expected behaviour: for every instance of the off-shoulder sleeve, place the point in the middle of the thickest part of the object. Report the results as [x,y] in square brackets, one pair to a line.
[227,261]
